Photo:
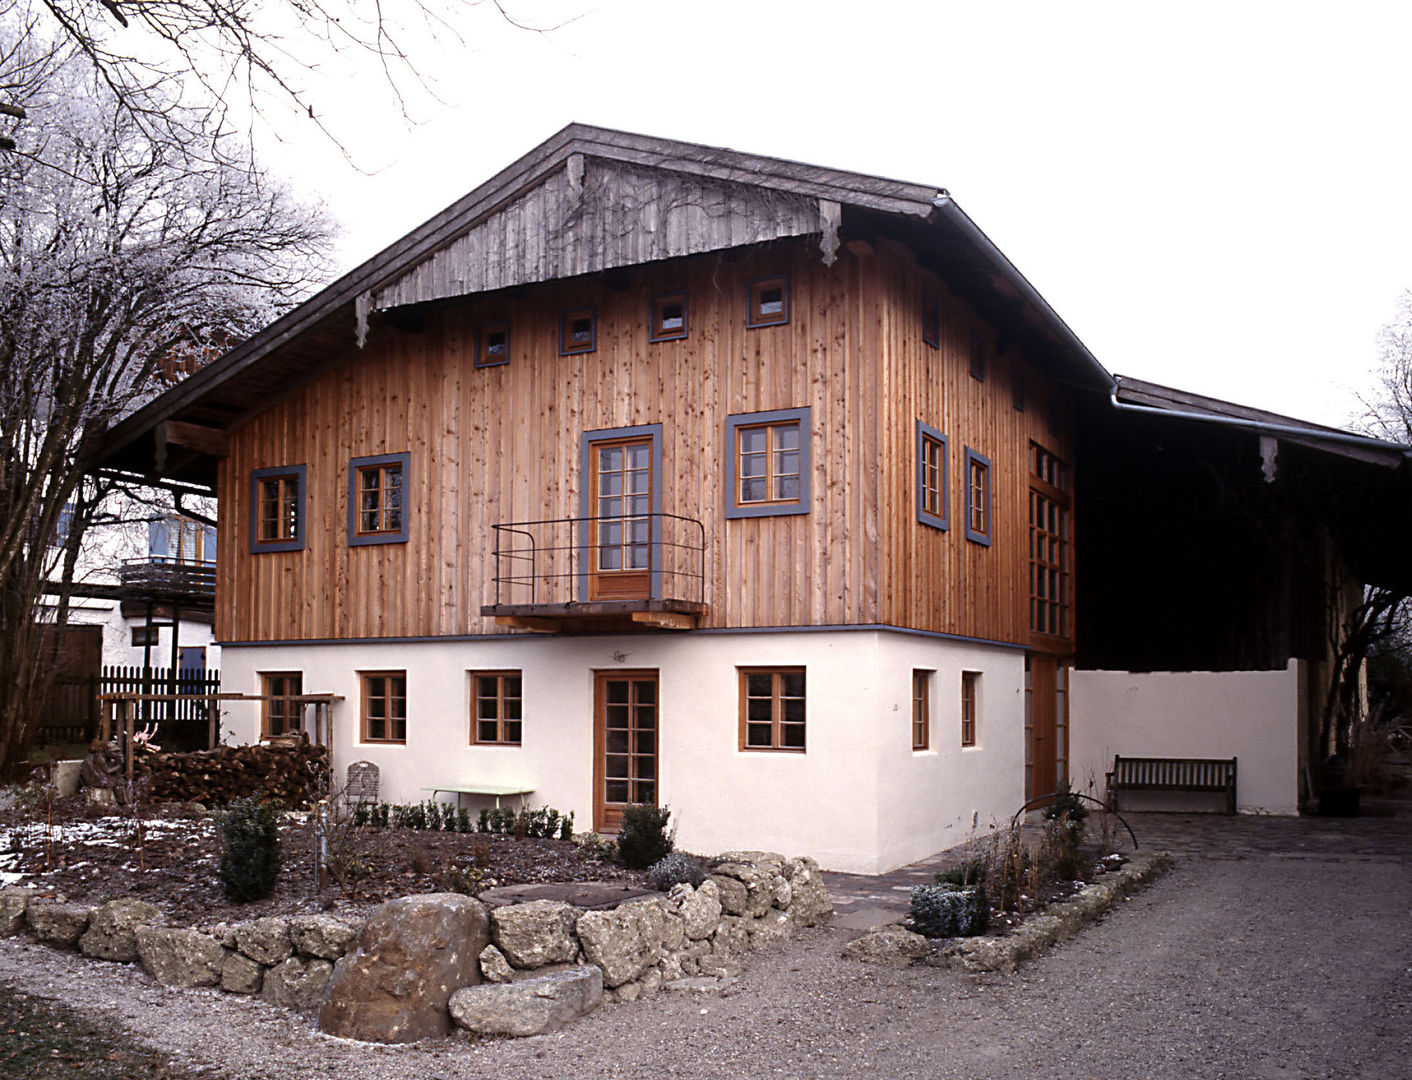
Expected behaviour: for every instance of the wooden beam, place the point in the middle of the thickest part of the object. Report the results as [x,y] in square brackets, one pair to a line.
[526,622]
[665,620]
[198,437]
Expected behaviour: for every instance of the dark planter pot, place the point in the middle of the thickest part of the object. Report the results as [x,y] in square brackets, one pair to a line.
[1338,802]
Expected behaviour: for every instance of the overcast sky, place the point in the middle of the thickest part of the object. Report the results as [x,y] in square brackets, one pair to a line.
[1213,195]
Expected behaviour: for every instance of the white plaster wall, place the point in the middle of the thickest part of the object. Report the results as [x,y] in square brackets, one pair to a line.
[1249,715]
[858,800]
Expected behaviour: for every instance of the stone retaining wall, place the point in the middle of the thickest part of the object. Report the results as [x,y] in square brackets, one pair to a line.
[533,968]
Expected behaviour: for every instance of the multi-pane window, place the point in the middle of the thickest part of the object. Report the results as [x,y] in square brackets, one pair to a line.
[772,709]
[769,468]
[970,694]
[577,332]
[492,344]
[769,302]
[623,483]
[497,707]
[669,318]
[280,715]
[277,498]
[931,476]
[977,500]
[1049,544]
[921,709]
[376,502]
[385,706]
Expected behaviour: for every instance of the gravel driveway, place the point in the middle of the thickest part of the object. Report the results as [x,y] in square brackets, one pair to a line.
[1277,948]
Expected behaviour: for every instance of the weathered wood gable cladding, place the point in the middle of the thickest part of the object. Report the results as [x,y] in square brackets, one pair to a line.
[502,444]
[935,579]
[599,215]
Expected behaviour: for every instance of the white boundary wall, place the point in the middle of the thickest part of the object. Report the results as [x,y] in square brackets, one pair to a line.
[1253,716]
[860,799]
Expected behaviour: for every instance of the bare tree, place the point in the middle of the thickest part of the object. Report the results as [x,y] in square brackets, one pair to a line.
[127,235]
[1387,411]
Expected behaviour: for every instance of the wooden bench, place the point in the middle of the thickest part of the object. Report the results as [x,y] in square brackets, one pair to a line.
[1173,774]
[496,791]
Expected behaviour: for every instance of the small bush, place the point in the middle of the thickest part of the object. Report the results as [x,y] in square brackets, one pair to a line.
[970,872]
[1065,821]
[948,911]
[463,820]
[483,822]
[643,836]
[597,848]
[250,859]
[674,869]
[566,827]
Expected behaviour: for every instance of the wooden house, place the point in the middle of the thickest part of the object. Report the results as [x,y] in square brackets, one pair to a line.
[653,472]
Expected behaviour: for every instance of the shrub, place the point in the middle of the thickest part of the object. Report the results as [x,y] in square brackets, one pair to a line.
[596,847]
[566,827]
[250,859]
[483,822]
[463,820]
[674,869]
[948,911]
[1065,821]
[643,836]
[970,872]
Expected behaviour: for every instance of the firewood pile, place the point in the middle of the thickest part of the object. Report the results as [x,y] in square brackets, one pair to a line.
[286,772]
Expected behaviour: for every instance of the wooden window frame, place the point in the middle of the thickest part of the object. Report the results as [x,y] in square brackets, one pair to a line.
[777,723]
[275,691]
[567,347]
[655,330]
[922,708]
[384,464]
[978,357]
[931,321]
[145,636]
[366,697]
[938,517]
[977,506]
[500,720]
[970,708]
[1050,554]
[735,508]
[483,332]
[299,474]
[755,317]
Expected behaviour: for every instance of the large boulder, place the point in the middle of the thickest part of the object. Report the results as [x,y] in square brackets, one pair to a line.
[889,945]
[56,923]
[326,937]
[14,903]
[535,934]
[809,898]
[759,882]
[624,942]
[700,909]
[266,941]
[241,975]
[732,894]
[111,933]
[413,952]
[530,1006]
[297,984]
[180,957]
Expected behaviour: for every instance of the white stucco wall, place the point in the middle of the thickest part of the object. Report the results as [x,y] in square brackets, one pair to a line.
[1249,715]
[859,799]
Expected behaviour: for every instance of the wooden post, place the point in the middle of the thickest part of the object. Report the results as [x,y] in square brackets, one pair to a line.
[212,723]
[127,748]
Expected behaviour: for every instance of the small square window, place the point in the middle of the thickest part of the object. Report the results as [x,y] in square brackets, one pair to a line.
[492,344]
[669,321]
[143,636]
[921,709]
[769,471]
[277,498]
[931,322]
[970,704]
[769,302]
[978,349]
[578,332]
[279,714]
[385,706]
[977,497]
[772,709]
[377,500]
[931,477]
[496,707]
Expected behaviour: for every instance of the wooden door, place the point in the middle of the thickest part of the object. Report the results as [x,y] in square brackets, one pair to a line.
[1046,724]
[625,726]
[621,554]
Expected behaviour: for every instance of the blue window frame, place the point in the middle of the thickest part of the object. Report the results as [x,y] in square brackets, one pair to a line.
[932,470]
[377,499]
[278,498]
[768,468]
[977,502]
[590,539]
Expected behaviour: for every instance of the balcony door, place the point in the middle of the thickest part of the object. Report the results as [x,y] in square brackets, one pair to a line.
[621,504]
[625,727]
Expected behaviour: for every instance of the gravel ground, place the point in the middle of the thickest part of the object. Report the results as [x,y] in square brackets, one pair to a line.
[1285,960]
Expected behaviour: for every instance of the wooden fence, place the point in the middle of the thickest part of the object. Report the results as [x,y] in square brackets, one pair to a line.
[73,715]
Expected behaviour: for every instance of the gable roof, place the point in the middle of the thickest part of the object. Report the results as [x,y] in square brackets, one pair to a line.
[592,200]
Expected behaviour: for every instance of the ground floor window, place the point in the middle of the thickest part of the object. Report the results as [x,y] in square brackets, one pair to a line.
[280,715]
[772,708]
[970,699]
[385,706]
[496,707]
[921,709]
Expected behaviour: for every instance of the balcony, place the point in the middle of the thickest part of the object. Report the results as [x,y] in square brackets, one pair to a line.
[600,573]
[164,580]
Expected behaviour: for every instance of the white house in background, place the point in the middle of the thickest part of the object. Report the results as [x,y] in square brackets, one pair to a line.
[654,472]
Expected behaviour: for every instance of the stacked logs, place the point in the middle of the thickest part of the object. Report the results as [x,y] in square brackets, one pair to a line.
[291,773]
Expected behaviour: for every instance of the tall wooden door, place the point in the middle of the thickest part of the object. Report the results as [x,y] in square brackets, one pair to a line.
[625,726]
[1046,724]
[621,553]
